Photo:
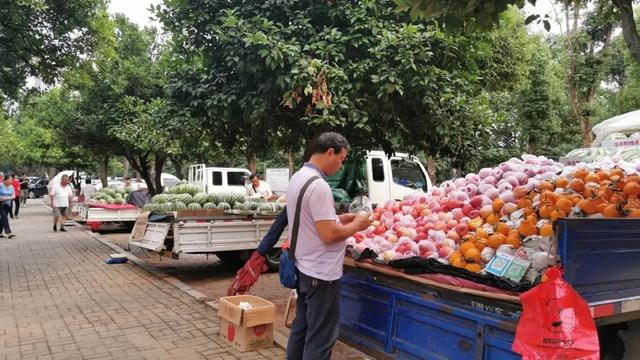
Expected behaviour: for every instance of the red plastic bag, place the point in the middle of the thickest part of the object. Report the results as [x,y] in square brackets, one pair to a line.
[555,323]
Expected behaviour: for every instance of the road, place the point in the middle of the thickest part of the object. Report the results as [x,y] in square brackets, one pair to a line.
[212,277]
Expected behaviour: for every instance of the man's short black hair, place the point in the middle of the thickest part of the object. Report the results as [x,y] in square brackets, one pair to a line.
[127,178]
[254,175]
[330,140]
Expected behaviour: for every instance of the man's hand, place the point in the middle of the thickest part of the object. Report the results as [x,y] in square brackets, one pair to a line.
[346,218]
[362,220]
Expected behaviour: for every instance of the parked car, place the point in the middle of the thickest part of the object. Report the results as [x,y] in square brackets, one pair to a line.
[39,188]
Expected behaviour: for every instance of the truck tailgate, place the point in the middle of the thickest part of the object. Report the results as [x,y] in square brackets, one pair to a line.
[601,257]
[392,317]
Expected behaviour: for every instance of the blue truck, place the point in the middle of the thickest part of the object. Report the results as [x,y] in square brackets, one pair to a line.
[393,318]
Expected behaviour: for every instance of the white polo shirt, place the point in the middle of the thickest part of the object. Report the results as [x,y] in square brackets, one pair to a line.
[313,257]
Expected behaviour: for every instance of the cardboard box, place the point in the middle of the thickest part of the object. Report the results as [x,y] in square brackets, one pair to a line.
[247,329]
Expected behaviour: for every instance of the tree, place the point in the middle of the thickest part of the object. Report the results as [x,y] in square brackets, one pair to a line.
[535,111]
[281,72]
[40,38]
[588,53]
[123,105]
[629,28]
[472,15]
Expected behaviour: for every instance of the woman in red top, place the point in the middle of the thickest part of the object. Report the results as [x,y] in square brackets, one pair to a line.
[15,204]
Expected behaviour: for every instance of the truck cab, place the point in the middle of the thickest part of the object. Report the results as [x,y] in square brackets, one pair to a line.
[380,178]
[219,179]
[394,177]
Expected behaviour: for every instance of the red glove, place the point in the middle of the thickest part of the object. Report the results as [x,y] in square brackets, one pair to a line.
[248,274]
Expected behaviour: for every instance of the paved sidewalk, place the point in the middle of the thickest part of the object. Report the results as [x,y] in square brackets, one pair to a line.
[59,300]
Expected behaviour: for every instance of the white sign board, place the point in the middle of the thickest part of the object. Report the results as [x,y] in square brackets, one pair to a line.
[278,180]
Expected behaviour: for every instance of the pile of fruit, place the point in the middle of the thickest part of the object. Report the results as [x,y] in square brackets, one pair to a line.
[110,195]
[505,210]
[174,201]
[185,196]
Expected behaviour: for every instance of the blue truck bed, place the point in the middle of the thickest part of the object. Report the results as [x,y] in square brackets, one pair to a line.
[391,317]
[601,257]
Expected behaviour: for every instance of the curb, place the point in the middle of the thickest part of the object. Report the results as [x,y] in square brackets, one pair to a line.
[279,338]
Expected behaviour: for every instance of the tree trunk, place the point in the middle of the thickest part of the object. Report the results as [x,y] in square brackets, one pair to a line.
[585,130]
[146,176]
[178,165]
[252,162]
[104,170]
[125,170]
[290,160]
[629,30]
[575,102]
[141,165]
[158,165]
[431,168]
[52,172]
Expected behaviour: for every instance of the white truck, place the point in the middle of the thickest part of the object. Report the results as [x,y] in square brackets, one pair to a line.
[233,238]
[218,179]
[394,177]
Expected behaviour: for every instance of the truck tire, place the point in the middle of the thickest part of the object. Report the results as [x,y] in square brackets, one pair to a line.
[234,258]
[273,259]
[611,345]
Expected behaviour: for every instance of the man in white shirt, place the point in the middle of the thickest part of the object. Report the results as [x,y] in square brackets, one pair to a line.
[61,196]
[88,190]
[259,188]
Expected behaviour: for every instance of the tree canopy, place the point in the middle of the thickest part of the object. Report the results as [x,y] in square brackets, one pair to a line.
[470,15]
[40,38]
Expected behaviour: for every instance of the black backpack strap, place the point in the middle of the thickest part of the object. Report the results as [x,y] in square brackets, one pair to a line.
[296,219]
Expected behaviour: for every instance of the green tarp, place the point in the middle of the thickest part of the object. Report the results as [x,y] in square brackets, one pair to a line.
[349,182]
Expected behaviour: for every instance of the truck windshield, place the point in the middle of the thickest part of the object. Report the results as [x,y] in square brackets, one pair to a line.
[407,173]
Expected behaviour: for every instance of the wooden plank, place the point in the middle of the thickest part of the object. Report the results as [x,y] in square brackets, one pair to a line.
[140,227]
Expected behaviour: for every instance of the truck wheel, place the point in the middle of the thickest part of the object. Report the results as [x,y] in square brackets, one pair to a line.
[273,259]
[611,345]
[31,195]
[229,257]
[235,258]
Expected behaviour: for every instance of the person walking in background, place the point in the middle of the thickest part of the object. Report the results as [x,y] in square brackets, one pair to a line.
[15,204]
[24,190]
[61,195]
[7,194]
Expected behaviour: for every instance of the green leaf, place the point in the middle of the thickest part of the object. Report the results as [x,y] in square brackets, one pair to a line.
[531,18]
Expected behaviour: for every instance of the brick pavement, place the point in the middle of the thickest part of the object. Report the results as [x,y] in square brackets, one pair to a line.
[59,300]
